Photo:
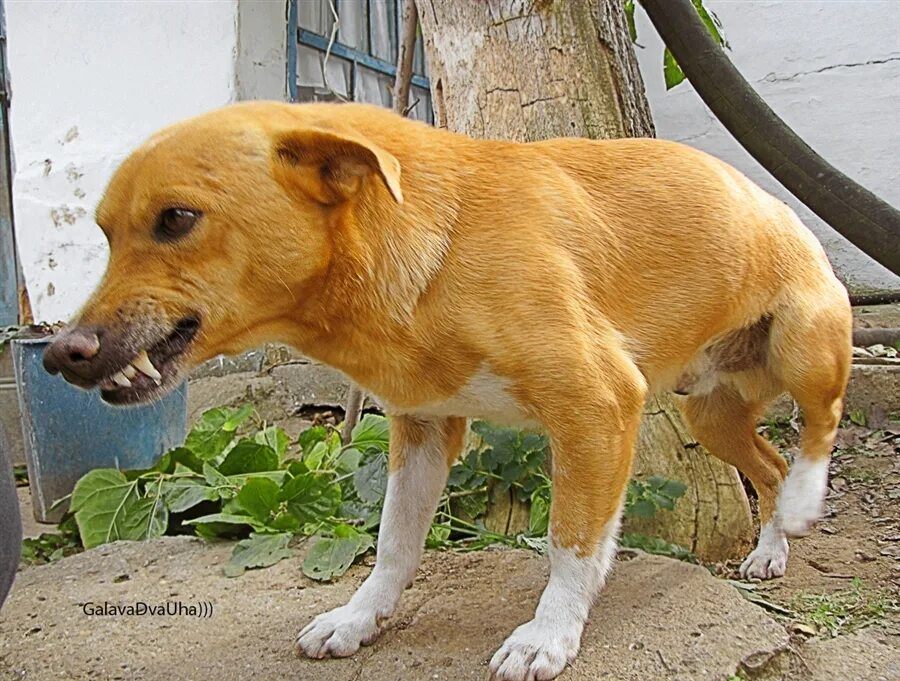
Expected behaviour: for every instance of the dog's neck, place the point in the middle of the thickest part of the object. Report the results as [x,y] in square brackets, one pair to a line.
[385,257]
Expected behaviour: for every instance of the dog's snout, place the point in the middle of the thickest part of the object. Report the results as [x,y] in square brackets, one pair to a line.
[72,350]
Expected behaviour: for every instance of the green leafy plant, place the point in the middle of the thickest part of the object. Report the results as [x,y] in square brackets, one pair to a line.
[645,497]
[20,473]
[777,429]
[845,611]
[49,547]
[671,70]
[236,480]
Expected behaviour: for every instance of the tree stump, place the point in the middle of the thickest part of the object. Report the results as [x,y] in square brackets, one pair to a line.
[713,517]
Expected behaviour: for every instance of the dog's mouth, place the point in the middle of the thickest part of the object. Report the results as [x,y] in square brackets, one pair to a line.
[152,371]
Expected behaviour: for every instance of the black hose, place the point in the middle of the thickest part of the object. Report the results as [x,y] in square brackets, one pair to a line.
[865,220]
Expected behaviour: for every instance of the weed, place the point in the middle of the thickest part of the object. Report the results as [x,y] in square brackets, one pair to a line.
[49,547]
[235,481]
[20,473]
[777,430]
[844,611]
[860,474]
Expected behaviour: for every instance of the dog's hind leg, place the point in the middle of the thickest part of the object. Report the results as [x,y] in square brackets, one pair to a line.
[725,423]
[422,451]
[811,351]
[592,418]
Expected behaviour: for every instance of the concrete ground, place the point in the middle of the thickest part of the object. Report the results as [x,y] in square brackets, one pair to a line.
[658,619]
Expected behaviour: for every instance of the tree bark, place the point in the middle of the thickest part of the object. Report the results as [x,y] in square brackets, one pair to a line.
[529,70]
[534,69]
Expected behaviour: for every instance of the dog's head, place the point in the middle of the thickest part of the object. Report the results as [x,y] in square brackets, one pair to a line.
[221,233]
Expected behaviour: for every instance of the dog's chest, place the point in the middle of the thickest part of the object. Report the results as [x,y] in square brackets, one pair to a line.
[484,396]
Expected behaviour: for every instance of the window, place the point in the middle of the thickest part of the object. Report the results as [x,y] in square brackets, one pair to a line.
[361,63]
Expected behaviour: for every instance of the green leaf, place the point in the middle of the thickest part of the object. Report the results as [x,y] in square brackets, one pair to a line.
[109,507]
[371,433]
[858,416]
[226,518]
[285,522]
[310,497]
[629,17]
[370,481]
[274,437]
[183,493]
[331,557]
[259,497]
[186,458]
[499,438]
[310,437]
[671,70]
[712,23]
[535,442]
[316,455]
[365,516]
[278,477]
[260,550]
[212,434]
[215,479]
[539,519]
[249,457]
[438,534]
[673,489]
[642,508]
[348,461]
[235,418]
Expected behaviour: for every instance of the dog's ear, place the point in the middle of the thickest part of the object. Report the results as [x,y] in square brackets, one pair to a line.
[334,163]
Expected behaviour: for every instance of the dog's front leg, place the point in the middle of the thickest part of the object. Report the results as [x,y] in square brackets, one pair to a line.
[422,451]
[592,446]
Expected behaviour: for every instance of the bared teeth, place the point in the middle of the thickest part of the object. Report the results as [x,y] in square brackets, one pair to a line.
[143,364]
[129,371]
[121,379]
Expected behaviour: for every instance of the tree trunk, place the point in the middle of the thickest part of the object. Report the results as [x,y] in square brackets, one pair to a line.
[534,69]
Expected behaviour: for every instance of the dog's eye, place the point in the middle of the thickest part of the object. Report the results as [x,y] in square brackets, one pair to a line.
[174,223]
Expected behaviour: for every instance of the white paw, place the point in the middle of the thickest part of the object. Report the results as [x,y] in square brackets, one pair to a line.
[536,651]
[338,633]
[769,558]
[803,495]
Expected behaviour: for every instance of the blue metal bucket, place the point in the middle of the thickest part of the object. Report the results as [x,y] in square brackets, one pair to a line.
[69,431]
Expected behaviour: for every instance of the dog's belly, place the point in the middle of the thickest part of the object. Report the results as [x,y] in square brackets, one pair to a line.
[485,396]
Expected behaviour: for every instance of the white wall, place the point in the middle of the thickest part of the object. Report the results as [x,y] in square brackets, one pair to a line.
[831,70]
[90,81]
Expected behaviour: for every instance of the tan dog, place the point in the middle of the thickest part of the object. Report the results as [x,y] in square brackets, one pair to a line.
[552,284]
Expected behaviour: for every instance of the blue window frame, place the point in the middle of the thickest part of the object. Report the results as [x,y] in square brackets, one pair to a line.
[9,296]
[360,64]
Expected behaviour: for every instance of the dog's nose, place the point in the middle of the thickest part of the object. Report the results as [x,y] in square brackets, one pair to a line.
[72,350]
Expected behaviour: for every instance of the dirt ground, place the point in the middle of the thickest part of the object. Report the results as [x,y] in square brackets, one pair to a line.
[658,619]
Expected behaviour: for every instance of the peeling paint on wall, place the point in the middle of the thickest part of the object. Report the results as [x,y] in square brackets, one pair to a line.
[117,77]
